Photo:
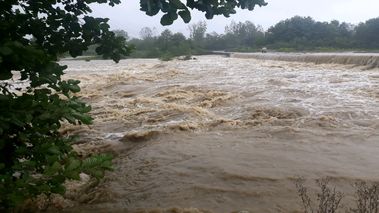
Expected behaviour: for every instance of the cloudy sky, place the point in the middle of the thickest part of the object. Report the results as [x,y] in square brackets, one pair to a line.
[127,15]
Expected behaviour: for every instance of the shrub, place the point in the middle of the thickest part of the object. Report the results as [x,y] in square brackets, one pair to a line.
[34,100]
[328,198]
[367,197]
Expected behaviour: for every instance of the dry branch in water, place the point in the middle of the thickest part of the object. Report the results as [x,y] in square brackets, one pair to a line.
[367,197]
[328,198]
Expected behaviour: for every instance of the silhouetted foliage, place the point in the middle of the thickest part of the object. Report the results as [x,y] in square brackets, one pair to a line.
[174,8]
[34,100]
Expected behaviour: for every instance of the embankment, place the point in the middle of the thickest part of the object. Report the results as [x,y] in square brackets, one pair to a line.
[369,60]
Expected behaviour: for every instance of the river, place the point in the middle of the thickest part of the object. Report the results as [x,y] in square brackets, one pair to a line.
[226,134]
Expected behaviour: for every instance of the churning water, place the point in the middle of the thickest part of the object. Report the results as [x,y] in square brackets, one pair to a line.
[226,134]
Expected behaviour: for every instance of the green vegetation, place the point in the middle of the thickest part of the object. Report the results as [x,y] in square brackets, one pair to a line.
[239,37]
[303,33]
[34,100]
[165,46]
[366,34]
[294,34]
[174,8]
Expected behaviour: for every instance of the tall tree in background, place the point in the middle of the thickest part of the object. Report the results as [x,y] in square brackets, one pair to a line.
[304,32]
[243,34]
[367,34]
[146,33]
[197,32]
[164,39]
[121,33]
[296,30]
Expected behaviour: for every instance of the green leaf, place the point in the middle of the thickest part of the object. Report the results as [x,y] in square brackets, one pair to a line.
[5,51]
[166,20]
[70,119]
[4,97]
[173,15]
[51,159]
[74,88]
[53,169]
[59,189]
[73,165]
[86,119]
[178,4]
[54,150]
[5,75]
[185,15]
[75,175]
[44,188]
[45,116]
[97,173]
[18,122]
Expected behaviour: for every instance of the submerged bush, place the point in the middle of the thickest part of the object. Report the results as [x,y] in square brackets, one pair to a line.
[329,200]
[367,197]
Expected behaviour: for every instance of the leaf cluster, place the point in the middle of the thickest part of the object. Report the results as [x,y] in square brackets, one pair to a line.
[34,99]
[174,8]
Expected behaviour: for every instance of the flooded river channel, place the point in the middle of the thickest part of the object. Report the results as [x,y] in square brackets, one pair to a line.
[226,134]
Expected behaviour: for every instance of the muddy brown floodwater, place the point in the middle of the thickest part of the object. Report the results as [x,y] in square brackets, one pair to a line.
[226,134]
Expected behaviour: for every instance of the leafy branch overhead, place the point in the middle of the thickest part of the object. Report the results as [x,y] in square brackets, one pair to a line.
[174,8]
[34,99]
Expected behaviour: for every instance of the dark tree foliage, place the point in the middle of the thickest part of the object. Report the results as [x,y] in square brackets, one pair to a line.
[165,46]
[243,35]
[306,33]
[174,8]
[34,100]
[367,34]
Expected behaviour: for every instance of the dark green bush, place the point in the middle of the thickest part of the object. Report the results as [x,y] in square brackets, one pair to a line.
[34,100]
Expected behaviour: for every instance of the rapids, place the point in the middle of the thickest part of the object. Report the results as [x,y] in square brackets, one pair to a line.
[226,134]
[369,60]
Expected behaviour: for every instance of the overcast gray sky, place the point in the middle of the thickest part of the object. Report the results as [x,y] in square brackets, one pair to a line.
[127,15]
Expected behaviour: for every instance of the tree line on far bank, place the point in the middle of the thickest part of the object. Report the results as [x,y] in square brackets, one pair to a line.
[294,34]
